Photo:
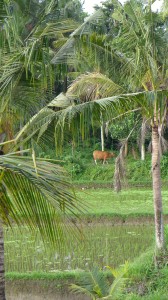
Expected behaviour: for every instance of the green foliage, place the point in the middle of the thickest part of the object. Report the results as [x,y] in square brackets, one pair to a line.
[158,295]
[36,193]
[96,286]
[57,275]
[139,171]
[81,167]
[142,266]
[147,282]
[166,235]
[164,166]
[31,31]
[122,127]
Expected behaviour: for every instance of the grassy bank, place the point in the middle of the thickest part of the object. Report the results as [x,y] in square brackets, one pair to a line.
[145,280]
[82,169]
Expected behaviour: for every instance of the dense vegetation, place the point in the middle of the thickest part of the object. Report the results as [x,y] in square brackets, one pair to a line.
[81,167]
[70,85]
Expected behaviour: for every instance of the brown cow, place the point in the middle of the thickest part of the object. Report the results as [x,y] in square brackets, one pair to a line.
[102,155]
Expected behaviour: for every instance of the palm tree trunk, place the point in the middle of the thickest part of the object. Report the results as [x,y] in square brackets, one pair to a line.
[102,132]
[143,151]
[143,133]
[156,177]
[126,149]
[2,272]
[102,137]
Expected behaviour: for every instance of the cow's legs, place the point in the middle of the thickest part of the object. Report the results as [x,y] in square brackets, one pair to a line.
[95,161]
[105,161]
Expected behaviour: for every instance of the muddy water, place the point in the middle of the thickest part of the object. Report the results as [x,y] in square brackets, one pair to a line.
[39,290]
[47,296]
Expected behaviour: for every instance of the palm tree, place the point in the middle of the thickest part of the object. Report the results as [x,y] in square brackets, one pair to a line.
[140,50]
[31,32]
[33,192]
[96,286]
[141,46]
[37,194]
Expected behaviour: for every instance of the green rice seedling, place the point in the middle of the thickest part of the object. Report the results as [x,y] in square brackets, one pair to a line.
[103,244]
[128,203]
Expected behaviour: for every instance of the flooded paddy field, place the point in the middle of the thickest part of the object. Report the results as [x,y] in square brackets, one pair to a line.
[117,228]
[103,244]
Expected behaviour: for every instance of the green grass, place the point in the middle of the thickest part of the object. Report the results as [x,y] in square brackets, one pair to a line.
[147,282]
[57,275]
[128,203]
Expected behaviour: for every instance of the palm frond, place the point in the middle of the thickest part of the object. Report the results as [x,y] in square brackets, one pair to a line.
[55,28]
[62,101]
[94,86]
[38,197]
[95,18]
[117,286]
[67,53]
[107,108]
[77,289]
[94,284]
[165,8]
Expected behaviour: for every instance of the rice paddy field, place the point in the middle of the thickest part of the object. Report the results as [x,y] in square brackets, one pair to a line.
[131,202]
[103,245]
[106,242]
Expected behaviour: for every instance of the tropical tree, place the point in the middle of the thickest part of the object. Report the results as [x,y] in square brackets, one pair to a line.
[33,192]
[31,32]
[141,45]
[37,194]
[140,51]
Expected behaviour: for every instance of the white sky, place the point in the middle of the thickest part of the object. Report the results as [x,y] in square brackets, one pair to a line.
[88,5]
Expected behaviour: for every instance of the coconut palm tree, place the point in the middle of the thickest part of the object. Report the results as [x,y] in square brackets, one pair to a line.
[31,32]
[141,45]
[33,192]
[37,194]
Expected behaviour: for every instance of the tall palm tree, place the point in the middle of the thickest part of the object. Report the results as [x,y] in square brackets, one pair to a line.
[141,44]
[140,49]
[31,32]
[33,192]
